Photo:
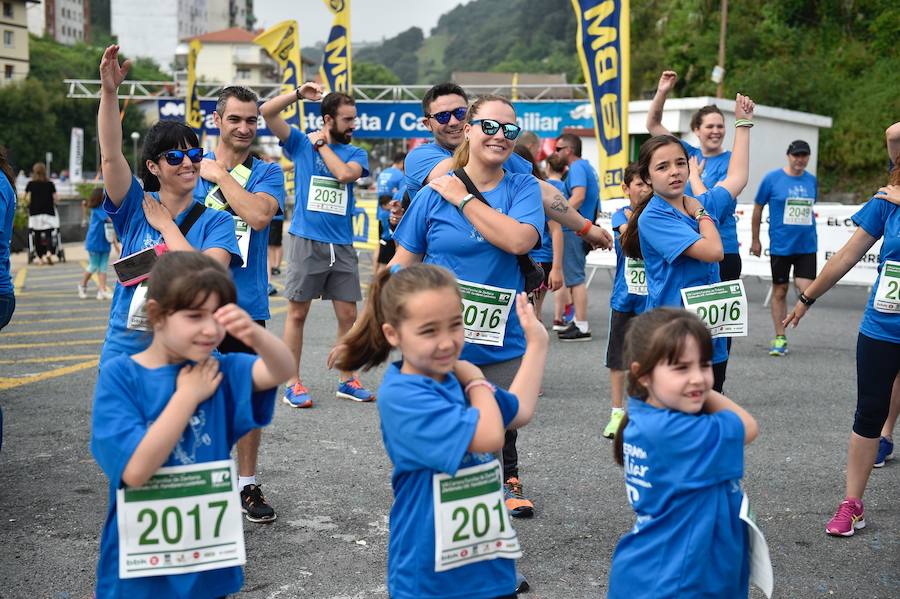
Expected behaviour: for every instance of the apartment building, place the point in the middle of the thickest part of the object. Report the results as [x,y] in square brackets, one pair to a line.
[14,43]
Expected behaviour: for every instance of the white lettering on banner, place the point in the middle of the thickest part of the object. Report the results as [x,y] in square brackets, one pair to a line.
[410,121]
[834,228]
[533,121]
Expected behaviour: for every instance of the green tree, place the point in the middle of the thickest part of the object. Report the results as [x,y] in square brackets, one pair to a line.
[370,73]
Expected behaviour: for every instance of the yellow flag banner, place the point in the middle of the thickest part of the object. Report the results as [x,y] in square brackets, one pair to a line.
[282,43]
[365,224]
[336,71]
[192,115]
[603,47]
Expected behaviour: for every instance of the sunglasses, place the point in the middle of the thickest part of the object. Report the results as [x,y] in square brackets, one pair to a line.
[443,117]
[176,157]
[490,127]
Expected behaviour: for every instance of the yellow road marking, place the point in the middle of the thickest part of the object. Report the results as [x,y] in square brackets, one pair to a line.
[20,280]
[50,359]
[13,382]
[50,344]
[52,294]
[50,310]
[73,319]
[54,331]
[59,276]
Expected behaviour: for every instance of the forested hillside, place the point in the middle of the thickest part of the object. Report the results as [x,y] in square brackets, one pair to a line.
[833,57]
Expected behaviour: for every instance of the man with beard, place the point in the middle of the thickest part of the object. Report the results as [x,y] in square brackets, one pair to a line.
[321,259]
[253,192]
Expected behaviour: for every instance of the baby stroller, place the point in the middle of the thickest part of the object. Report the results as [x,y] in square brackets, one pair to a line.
[44,237]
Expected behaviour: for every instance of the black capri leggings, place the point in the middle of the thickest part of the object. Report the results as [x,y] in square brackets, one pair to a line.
[877,365]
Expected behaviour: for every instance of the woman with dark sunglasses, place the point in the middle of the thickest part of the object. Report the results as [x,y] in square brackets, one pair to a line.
[479,242]
[149,215]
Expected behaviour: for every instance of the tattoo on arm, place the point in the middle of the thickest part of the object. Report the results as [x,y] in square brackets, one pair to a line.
[559,204]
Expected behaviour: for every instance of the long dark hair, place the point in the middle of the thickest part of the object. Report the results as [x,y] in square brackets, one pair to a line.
[162,137]
[364,346]
[631,243]
[654,337]
[6,168]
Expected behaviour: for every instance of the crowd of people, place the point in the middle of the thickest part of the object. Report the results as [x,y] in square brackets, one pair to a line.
[474,231]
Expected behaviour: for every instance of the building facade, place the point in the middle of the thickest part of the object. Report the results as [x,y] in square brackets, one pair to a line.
[14,43]
[66,21]
[225,14]
[230,56]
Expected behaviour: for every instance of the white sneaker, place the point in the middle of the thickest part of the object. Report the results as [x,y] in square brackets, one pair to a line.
[107,294]
[82,292]
[101,295]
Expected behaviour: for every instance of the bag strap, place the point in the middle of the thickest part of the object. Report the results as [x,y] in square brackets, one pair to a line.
[196,210]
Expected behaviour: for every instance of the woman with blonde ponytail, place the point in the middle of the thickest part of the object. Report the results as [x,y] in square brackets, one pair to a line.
[479,241]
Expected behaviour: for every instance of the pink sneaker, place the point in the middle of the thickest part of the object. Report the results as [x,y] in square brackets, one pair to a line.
[847,519]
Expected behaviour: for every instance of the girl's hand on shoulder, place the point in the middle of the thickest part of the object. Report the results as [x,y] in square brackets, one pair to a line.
[238,324]
[891,193]
[466,372]
[535,333]
[451,188]
[692,205]
[696,166]
[794,316]
[199,381]
[157,215]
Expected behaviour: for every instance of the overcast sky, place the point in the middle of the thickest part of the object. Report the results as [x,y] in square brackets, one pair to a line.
[370,20]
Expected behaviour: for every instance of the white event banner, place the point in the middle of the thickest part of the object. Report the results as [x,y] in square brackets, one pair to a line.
[833,225]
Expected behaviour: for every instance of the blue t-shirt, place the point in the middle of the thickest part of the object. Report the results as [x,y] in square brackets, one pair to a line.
[776,187]
[715,168]
[252,281]
[311,224]
[682,475]
[422,160]
[427,427]
[95,240]
[7,214]
[127,400]
[880,218]
[620,300]
[435,229]
[545,252]
[389,181]
[213,229]
[665,233]
[581,174]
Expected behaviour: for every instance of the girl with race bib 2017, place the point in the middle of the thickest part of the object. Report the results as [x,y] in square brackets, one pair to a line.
[878,343]
[441,420]
[682,447]
[479,242]
[176,405]
[677,236]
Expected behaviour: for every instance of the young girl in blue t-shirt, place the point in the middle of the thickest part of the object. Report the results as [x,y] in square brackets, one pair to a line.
[177,405]
[97,246]
[441,420]
[682,446]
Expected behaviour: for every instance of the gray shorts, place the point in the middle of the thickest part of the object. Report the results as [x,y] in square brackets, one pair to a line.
[321,270]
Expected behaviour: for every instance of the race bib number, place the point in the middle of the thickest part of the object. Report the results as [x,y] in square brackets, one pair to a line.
[485,312]
[137,309]
[887,296]
[184,519]
[327,195]
[721,306]
[242,232]
[471,523]
[761,573]
[109,232]
[635,276]
[798,211]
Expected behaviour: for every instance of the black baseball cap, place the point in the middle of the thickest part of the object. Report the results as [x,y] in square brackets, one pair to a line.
[798,147]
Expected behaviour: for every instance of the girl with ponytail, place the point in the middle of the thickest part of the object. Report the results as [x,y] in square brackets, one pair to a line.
[441,419]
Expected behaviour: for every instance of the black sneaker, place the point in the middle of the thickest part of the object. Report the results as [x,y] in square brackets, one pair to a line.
[573,333]
[276,271]
[254,505]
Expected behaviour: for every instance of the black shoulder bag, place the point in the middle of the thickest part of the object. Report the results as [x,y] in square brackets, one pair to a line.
[531,270]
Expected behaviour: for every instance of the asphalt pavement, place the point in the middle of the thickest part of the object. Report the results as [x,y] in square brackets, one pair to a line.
[326,473]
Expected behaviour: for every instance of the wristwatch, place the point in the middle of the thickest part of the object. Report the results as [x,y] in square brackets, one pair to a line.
[319,143]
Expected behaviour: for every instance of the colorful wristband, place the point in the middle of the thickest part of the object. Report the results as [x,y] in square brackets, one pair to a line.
[464,201]
[743,123]
[806,301]
[479,383]
[587,227]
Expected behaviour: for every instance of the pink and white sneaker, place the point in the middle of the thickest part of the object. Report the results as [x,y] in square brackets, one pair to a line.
[847,519]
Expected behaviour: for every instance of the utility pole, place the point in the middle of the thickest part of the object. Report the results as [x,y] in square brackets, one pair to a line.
[723,26]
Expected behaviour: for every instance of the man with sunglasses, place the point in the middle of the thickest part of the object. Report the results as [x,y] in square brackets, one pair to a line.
[252,191]
[322,262]
[583,191]
[444,108]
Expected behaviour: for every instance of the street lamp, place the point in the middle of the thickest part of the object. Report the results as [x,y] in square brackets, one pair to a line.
[135,136]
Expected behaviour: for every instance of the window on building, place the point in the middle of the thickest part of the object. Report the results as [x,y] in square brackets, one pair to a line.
[8,39]
[242,74]
[8,71]
[8,10]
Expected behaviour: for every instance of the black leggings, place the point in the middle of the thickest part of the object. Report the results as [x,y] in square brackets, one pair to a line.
[877,365]
[502,375]
[719,375]
[730,270]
